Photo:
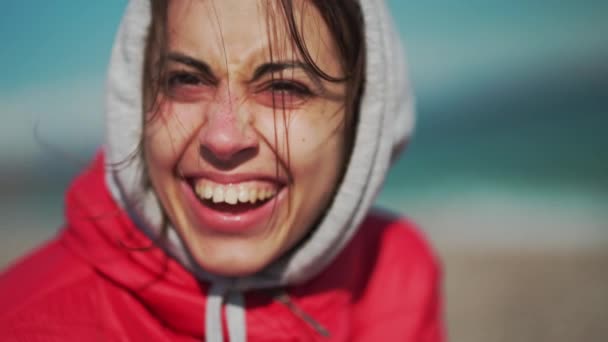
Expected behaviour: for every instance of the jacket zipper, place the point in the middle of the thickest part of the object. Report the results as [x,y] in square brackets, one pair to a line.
[284,299]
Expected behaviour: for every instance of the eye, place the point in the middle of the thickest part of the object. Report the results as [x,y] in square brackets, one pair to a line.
[292,88]
[285,93]
[183,78]
[186,86]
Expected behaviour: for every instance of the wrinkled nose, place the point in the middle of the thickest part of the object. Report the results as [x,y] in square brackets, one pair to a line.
[227,139]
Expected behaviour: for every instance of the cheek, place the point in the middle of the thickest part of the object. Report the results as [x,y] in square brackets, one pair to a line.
[169,131]
[305,138]
[310,144]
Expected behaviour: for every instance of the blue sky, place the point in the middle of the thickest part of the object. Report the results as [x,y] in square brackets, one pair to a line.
[49,40]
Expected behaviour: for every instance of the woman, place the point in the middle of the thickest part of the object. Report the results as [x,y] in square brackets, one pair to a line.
[246,141]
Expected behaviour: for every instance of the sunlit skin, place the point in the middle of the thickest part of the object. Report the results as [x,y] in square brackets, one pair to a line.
[217,117]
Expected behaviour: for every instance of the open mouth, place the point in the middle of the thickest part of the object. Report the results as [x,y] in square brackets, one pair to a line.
[236,204]
[234,198]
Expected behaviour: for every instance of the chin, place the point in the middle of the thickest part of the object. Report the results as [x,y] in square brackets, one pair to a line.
[233,267]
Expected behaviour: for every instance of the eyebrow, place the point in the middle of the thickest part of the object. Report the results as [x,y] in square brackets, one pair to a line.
[270,68]
[191,62]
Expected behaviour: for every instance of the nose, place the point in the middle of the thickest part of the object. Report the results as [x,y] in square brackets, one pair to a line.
[227,139]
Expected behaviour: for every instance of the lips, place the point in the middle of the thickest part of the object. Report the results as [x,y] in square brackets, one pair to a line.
[233,204]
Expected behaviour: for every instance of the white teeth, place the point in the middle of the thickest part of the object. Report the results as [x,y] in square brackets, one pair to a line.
[233,194]
[253,196]
[243,195]
[208,193]
[199,188]
[218,194]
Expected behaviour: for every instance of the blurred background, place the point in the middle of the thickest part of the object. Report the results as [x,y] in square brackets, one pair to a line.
[507,173]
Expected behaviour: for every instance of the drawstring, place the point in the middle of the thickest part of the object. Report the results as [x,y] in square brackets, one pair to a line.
[213,317]
[235,315]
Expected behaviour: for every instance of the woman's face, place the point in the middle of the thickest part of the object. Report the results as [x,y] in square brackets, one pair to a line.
[246,147]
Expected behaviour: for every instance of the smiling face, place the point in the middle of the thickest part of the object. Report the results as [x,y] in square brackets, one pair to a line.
[246,144]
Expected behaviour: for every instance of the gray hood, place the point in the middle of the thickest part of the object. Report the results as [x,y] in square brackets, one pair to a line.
[386,121]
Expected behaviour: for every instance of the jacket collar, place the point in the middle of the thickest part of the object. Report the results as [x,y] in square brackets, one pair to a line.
[102,234]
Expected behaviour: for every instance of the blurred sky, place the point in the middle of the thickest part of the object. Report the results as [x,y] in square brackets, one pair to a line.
[511,98]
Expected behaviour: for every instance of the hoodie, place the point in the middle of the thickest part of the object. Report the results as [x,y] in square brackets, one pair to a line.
[137,286]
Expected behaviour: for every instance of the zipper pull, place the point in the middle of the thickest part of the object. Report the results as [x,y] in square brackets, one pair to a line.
[283,298]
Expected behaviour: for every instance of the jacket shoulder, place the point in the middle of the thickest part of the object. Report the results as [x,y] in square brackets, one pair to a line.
[396,238]
[45,293]
[401,296]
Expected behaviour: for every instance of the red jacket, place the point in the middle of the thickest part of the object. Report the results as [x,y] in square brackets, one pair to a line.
[101,279]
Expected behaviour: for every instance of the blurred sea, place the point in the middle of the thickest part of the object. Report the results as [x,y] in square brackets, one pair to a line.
[526,150]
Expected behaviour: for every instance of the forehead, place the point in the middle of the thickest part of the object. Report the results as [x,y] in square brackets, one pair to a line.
[235,32]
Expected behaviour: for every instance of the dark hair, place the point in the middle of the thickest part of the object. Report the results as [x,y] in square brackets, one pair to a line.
[344,20]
